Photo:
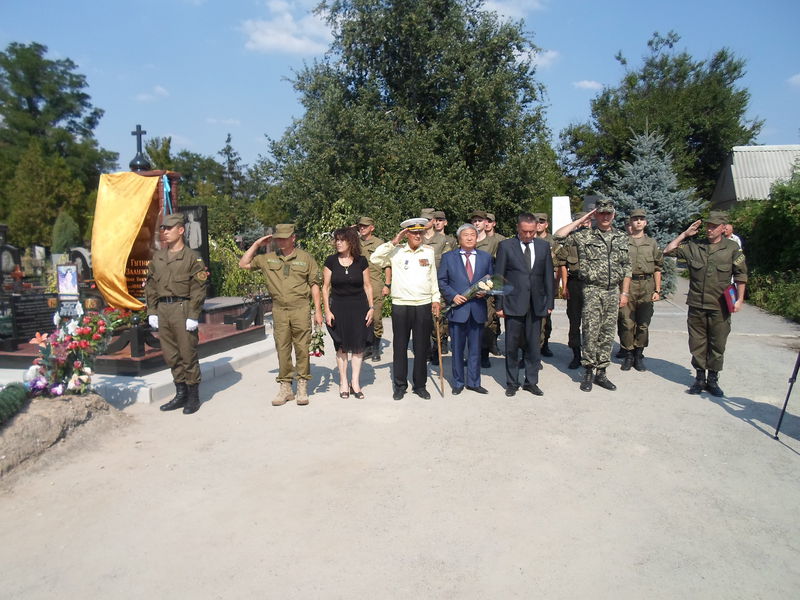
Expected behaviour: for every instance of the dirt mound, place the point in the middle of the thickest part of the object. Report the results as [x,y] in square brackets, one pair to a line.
[46,421]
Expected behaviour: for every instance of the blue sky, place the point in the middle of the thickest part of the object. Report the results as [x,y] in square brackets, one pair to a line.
[199,69]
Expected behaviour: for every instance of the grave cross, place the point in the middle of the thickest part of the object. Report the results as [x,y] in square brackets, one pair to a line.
[139,133]
[139,162]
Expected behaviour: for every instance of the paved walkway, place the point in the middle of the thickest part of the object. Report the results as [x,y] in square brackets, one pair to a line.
[645,492]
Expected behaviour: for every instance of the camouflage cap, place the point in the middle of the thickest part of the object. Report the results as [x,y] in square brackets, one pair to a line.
[717,217]
[604,205]
[172,220]
[284,230]
[638,212]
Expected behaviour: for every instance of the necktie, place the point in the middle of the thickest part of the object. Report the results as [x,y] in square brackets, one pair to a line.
[528,254]
[470,271]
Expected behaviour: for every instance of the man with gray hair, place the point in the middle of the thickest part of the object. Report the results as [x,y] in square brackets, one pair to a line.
[459,270]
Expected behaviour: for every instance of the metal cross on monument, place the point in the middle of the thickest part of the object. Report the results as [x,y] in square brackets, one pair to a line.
[139,162]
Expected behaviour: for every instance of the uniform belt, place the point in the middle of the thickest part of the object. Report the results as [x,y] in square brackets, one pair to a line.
[172,299]
[641,277]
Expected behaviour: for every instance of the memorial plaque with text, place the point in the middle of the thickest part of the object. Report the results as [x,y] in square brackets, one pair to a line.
[33,313]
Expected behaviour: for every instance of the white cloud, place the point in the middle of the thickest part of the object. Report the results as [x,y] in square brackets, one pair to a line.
[545,58]
[156,93]
[794,80]
[215,121]
[513,9]
[291,29]
[587,84]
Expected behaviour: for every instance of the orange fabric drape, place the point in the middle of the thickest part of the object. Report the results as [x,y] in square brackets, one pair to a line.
[123,200]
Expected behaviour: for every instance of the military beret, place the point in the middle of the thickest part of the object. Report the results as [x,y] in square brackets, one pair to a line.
[173,219]
[717,217]
[284,230]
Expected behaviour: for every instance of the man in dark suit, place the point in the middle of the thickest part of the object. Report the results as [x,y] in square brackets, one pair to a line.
[526,263]
[458,271]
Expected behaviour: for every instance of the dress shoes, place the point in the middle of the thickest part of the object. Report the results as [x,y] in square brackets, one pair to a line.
[478,389]
[546,350]
[458,390]
[398,394]
[533,389]
[511,391]
[423,393]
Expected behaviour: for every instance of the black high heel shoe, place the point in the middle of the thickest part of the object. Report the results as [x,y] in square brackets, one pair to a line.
[359,395]
[344,394]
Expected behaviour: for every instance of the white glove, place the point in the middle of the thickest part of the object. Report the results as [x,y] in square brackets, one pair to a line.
[153,320]
[191,324]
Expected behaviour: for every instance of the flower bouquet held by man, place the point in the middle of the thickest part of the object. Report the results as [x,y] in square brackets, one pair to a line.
[488,285]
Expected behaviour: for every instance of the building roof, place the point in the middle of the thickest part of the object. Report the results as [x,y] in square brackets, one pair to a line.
[750,171]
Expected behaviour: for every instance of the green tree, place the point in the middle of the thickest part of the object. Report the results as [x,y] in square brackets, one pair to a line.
[159,151]
[65,233]
[648,181]
[45,100]
[416,104]
[41,187]
[695,104]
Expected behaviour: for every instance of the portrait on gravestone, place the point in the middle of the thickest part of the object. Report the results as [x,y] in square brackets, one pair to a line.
[67,282]
[195,234]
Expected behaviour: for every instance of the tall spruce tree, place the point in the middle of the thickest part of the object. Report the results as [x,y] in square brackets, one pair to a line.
[649,181]
[416,104]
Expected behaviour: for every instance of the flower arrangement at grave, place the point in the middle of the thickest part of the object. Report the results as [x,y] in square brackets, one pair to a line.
[66,356]
[121,318]
[317,345]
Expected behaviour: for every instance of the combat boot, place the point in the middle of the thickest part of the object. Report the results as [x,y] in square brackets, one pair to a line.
[367,351]
[576,359]
[445,345]
[638,359]
[179,400]
[493,348]
[376,349]
[284,394]
[627,361]
[193,399]
[699,382]
[302,392]
[586,384]
[712,384]
[601,380]
[621,353]
[546,350]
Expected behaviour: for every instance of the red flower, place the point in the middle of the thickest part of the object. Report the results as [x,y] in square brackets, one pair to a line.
[101,323]
[77,364]
[96,336]
[67,338]
[83,344]
[107,310]
[102,330]
[87,320]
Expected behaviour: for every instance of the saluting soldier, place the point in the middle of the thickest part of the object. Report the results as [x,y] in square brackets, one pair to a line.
[292,277]
[175,289]
[570,273]
[712,262]
[647,262]
[606,271]
[381,279]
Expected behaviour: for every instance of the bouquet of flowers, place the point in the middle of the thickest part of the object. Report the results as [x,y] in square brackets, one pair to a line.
[317,345]
[67,355]
[488,285]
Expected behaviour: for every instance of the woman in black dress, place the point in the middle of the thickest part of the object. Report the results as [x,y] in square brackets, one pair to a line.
[347,293]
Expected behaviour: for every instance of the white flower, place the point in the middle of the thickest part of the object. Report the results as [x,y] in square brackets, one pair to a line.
[31,374]
[489,283]
[56,318]
[72,326]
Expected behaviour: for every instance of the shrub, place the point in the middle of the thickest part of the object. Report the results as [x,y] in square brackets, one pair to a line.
[12,399]
[227,277]
[779,293]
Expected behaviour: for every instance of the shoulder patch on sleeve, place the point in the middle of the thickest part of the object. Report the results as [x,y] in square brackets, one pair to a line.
[201,276]
[739,259]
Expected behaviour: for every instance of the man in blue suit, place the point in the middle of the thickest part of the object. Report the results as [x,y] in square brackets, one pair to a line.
[458,271]
[526,263]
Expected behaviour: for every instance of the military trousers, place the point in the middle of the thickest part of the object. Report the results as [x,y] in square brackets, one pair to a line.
[635,316]
[377,301]
[178,346]
[546,330]
[492,328]
[292,330]
[574,311]
[600,310]
[708,335]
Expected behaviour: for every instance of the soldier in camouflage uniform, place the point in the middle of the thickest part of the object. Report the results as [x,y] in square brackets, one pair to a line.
[542,223]
[712,262]
[647,261]
[567,262]
[381,279]
[436,239]
[488,241]
[605,267]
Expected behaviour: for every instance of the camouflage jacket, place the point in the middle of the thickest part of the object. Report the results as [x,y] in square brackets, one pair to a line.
[602,257]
